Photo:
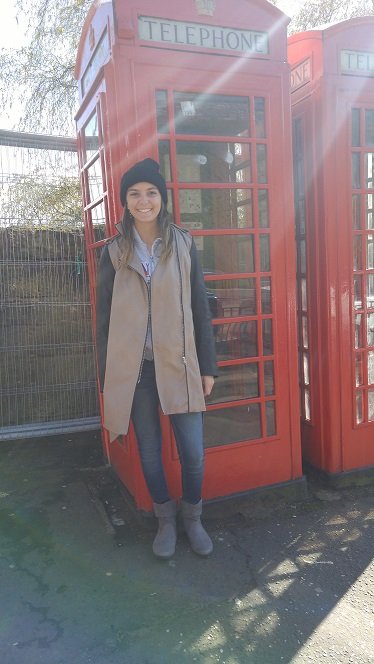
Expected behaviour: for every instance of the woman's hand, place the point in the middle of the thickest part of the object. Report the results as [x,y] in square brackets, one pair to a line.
[208,382]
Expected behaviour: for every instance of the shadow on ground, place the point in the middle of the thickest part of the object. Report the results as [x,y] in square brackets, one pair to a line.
[286,582]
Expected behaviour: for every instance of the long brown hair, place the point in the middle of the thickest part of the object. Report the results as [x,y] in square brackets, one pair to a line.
[127,241]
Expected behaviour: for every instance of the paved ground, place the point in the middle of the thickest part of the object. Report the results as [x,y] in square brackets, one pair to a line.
[79,584]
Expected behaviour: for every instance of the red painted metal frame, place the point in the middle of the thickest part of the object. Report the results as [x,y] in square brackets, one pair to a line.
[128,117]
[239,481]
[332,441]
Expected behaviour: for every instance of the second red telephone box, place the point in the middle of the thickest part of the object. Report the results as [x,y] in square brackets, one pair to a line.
[333,127]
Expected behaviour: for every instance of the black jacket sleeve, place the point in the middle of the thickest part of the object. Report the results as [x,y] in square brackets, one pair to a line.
[104,292]
[202,320]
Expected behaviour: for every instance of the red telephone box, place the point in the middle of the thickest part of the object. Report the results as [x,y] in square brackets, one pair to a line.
[332,82]
[203,87]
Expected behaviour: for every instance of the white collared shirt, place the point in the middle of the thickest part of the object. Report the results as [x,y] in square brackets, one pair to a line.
[149,262]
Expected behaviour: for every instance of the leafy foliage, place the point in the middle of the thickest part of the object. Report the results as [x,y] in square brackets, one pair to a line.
[316,13]
[40,74]
[44,204]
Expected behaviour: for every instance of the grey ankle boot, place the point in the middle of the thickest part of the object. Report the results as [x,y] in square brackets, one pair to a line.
[197,535]
[165,540]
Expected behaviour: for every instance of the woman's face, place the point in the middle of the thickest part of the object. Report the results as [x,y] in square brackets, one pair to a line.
[144,202]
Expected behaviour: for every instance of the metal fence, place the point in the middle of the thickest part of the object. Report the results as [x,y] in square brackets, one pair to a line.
[47,367]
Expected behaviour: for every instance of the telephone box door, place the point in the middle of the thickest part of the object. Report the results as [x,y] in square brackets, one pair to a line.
[358,272]
[220,143]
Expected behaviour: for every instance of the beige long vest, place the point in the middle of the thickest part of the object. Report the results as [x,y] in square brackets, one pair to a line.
[168,303]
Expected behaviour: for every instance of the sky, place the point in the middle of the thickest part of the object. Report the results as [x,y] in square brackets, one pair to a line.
[12,35]
[13,28]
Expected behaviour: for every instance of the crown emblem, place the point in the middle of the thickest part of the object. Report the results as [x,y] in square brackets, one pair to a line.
[206,7]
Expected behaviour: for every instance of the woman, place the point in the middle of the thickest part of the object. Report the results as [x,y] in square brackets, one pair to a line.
[155,347]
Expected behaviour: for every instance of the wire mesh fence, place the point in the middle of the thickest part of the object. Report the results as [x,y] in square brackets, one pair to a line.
[47,366]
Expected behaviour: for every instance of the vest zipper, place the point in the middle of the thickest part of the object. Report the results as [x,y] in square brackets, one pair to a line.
[146,334]
[148,320]
[183,325]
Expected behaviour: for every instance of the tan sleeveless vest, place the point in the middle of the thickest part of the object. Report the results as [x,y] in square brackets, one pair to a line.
[169,304]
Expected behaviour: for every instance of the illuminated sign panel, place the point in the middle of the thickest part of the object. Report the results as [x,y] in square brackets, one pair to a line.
[167,33]
[301,74]
[357,62]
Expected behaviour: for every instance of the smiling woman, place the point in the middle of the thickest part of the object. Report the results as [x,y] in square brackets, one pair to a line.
[155,347]
[144,205]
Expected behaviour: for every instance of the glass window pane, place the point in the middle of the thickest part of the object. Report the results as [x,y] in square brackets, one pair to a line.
[357,287]
[369,127]
[369,253]
[307,405]
[358,331]
[211,115]
[269,377]
[306,368]
[356,211]
[260,117]
[300,216]
[358,363]
[304,300]
[91,137]
[357,252]
[371,405]
[370,330]
[235,383]
[164,159]
[232,425]
[356,127]
[265,253]
[266,307]
[369,211]
[263,208]
[227,253]
[232,297]
[304,326]
[356,179]
[95,180]
[302,256]
[270,418]
[162,112]
[235,340]
[370,291]
[298,167]
[245,260]
[203,161]
[267,336]
[98,221]
[216,208]
[369,172]
[370,368]
[359,408]
[262,169]
[242,217]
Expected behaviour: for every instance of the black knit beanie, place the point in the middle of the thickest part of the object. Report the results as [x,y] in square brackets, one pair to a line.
[147,170]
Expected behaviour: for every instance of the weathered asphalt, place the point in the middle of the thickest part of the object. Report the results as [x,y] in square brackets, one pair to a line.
[287,582]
